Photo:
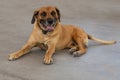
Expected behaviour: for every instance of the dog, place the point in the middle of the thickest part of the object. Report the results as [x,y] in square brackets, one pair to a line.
[50,34]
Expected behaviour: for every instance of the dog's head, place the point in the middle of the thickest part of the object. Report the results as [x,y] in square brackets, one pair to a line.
[46,17]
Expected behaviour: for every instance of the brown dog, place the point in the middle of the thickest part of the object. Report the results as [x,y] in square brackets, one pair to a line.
[49,34]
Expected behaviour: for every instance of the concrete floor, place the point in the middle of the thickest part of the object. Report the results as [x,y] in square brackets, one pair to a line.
[100,18]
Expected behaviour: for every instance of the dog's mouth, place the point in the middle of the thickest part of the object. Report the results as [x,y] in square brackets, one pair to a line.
[48,28]
[48,25]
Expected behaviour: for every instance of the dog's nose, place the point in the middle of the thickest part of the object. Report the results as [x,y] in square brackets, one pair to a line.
[50,21]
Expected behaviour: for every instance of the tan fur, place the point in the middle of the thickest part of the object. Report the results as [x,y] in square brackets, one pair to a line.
[63,36]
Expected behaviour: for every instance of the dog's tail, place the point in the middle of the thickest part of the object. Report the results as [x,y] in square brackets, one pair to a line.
[101,41]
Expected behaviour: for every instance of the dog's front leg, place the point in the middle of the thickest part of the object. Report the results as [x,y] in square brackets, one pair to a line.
[49,53]
[25,49]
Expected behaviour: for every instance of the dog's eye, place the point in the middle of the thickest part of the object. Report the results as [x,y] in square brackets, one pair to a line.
[53,13]
[43,14]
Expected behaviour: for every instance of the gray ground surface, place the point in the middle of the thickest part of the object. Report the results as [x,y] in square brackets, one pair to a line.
[101,18]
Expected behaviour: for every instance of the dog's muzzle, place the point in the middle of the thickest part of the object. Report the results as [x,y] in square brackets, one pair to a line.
[48,24]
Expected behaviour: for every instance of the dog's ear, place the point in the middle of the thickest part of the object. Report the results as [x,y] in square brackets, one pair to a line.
[58,13]
[34,16]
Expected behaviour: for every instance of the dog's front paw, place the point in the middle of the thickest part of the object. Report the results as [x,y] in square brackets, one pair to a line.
[48,60]
[13,57]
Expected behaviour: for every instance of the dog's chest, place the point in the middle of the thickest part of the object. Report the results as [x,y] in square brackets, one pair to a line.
[44,39]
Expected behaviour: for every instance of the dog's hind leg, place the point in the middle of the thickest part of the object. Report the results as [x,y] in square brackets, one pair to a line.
[73,48]
[82,48]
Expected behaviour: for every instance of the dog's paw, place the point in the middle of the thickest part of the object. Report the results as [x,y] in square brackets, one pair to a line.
[48,60]
[13,57]
[72,50]
[78,53]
